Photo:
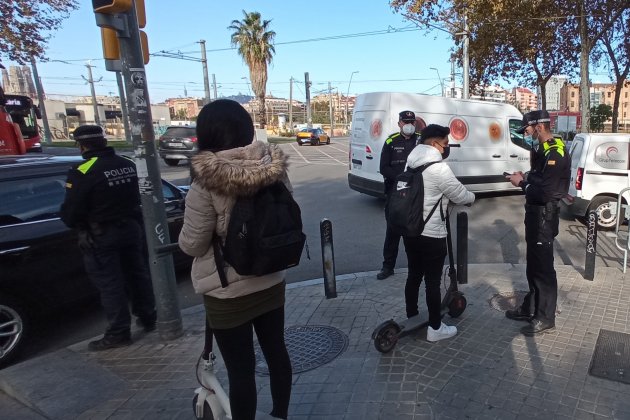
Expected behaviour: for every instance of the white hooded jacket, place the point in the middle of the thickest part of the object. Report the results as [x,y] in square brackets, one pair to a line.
[438,180]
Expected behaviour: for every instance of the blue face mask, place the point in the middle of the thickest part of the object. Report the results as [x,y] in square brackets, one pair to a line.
[530,140]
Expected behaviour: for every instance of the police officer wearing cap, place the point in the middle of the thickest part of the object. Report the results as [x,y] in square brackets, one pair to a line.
[393,160]
[544,186]
[102,203]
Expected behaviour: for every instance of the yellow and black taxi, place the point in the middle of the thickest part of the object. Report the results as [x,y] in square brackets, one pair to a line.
[313,136]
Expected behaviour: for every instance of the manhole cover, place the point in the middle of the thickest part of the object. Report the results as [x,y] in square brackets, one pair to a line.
[611,358]
[507,300]
[309,346]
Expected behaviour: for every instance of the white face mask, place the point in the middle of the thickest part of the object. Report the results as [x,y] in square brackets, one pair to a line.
[408,129]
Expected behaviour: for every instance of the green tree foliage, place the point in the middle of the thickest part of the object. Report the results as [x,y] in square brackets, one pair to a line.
[599,115]
[254,41]
[25,26]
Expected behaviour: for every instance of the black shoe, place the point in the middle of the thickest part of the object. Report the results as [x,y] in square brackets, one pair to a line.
[148,326]
[110,342]
[384,273]
[518,315]
[537,327]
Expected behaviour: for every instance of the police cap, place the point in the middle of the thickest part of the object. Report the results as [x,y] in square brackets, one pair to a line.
[533,118]
[407,116]
[434,130]
[88,133]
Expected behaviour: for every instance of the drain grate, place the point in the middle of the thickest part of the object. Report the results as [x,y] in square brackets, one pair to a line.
[309,347]
[611,358]
[507,300]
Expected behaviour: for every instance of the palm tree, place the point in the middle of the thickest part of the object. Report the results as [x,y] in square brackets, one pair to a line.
[255,44]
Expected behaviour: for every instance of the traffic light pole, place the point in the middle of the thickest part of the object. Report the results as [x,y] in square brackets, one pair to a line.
[169,320]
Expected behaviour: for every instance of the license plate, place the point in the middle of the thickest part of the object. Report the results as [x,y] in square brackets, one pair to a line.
[175,145]
[356,166]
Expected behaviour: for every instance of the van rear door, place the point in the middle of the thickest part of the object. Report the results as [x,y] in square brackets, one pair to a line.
[366,143]
[606,168]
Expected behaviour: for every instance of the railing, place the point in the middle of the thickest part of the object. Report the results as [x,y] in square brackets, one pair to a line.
[621,237]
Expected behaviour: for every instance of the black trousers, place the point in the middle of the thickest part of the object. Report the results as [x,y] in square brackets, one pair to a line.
[390,247]
[117,266]
[541,300]
[237,349]
[425,257]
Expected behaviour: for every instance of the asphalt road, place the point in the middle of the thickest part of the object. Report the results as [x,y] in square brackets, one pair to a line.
[319,177]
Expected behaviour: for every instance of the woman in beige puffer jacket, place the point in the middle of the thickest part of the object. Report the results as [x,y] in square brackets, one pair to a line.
[229,165]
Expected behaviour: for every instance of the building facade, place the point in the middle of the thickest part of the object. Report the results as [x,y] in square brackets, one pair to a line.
[524,99]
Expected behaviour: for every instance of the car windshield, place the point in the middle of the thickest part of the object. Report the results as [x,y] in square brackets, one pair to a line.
[180,132]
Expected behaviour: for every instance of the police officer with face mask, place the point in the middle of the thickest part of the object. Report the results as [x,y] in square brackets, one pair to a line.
[393,160]
[544,186]
[102,203]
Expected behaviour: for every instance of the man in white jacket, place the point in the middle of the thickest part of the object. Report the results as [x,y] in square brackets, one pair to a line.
[426,253]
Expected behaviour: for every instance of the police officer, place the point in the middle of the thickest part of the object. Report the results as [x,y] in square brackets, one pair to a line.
[544,186]
[102,203]
[393,160]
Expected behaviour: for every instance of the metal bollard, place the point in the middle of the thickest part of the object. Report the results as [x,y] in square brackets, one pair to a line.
[591,246]
[462,247]
[328,259]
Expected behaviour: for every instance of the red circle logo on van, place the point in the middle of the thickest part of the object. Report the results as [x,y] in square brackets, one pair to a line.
[459,129]
[494,131]
[376,129]
[612,150]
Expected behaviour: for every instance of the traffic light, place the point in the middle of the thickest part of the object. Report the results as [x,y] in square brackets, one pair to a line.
[111,6]
[111,48]
[144,43]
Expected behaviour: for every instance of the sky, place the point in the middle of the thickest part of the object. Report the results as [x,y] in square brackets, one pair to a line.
[397,56]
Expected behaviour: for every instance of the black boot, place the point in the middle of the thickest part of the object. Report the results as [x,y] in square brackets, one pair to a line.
[518,315]
[384,273]
[538,327]
[110,342]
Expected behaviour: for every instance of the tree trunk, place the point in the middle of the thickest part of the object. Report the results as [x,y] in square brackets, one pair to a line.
[615,110]
[585,48]
[543,95]
[261,112]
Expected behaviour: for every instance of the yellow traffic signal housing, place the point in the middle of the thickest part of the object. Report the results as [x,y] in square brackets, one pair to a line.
[111,6]
[144,43]
[141,14]
[111,48]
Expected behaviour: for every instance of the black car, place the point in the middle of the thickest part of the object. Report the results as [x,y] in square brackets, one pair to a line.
[41,268]
[177,143]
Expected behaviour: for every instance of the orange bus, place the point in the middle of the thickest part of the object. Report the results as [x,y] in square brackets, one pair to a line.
[11,141]
[25,114]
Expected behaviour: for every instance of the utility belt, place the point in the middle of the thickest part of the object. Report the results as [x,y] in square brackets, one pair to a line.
[546,212]
[99,228]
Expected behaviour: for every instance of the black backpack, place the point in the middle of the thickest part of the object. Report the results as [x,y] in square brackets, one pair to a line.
[405,206]
[264,234]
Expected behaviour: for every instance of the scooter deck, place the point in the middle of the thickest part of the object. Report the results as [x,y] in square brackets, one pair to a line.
[412,324]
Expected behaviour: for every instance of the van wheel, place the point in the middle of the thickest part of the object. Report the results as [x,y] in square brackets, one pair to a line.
[606,218]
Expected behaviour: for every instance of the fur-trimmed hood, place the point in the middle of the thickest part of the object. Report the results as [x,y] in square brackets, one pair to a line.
[240,171]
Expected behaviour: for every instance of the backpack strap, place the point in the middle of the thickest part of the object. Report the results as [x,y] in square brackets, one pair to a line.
[218,259]
[433,210]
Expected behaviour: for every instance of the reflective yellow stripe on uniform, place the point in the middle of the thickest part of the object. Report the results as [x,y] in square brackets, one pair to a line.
[558,145]
[391,138]
[84,167]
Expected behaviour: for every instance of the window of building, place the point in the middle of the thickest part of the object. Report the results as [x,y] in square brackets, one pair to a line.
[609,94]
[572,95]
[625,95]
[572,104]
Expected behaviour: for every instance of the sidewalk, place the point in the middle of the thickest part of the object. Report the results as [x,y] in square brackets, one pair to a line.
[488,371]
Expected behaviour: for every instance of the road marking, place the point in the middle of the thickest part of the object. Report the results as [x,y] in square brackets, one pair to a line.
[301,155]
[324,153]
[341,150]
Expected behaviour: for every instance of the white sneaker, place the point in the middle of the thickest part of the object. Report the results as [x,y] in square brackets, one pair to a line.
[445,331]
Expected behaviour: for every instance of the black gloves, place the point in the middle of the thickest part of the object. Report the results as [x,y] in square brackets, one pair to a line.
[86,242]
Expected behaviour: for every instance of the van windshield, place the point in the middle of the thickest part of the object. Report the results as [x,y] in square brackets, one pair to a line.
[516,138]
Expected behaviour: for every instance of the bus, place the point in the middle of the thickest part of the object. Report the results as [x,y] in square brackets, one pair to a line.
[25,114]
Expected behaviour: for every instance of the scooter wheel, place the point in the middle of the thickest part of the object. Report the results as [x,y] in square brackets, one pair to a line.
[207,412]
[457,306]
[386,336]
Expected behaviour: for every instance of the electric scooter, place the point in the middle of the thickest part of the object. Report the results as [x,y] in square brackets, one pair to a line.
[387,334]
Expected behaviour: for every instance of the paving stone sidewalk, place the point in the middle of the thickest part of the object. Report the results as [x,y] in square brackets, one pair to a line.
[488,371]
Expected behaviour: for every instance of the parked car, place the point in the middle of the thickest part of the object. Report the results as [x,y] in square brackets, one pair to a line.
[178,143]
[314,136]
[41,268]
[599,171]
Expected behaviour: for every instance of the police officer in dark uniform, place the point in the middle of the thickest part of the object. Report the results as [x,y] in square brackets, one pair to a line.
[102,203]
[544,186]
[393,160]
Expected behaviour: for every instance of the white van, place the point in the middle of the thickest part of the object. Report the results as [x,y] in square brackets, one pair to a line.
[599,171]
[484,130]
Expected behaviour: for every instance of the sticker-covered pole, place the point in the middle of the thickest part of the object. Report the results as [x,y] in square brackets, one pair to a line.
[124,20]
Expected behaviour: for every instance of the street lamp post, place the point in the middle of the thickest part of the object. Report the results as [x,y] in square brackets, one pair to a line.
[348,94]
[441,81]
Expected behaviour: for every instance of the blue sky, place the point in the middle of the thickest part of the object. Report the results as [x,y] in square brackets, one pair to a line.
[396,61]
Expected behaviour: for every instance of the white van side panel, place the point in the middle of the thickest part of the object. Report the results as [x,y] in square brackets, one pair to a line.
[481,129]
